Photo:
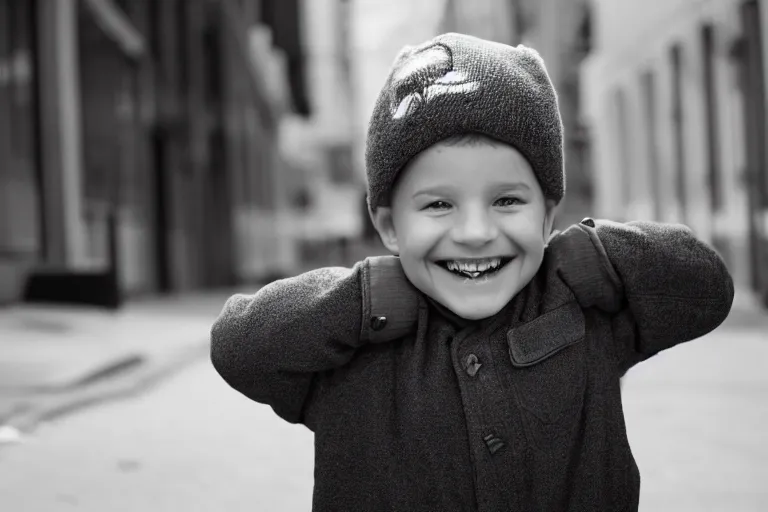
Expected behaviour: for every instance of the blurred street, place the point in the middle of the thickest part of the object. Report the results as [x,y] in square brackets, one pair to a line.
[696,419]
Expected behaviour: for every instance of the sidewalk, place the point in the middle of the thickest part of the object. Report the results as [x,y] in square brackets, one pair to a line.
[56,358]
[696,417]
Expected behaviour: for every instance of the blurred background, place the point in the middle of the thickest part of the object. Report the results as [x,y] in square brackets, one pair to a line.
[194,144]
[157,155]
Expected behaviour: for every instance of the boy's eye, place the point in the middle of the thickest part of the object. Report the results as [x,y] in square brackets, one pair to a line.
[509,201]
[437,205]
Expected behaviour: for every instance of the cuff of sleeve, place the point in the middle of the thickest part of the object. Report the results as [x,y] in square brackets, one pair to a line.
[590,273]
[390,301]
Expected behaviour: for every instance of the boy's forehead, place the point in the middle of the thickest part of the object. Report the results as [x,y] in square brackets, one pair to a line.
[476,167]
[480,162]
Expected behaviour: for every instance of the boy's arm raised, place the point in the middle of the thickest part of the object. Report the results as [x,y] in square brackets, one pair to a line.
[671,286]
[270,345]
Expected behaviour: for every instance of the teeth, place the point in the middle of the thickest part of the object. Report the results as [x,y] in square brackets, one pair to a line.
[474,267]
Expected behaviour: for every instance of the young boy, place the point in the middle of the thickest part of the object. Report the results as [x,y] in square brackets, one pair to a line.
[478,368]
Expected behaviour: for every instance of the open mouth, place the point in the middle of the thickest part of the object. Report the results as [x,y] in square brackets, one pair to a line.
[475,269]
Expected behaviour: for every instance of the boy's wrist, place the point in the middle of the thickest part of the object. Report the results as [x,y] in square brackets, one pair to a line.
[390,301]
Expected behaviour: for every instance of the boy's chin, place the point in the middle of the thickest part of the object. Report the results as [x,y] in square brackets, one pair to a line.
[477,312]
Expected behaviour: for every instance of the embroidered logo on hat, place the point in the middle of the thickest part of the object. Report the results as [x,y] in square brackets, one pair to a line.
[427,74]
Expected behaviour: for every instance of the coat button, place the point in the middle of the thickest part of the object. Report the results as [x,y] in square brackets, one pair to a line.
[378,322]
[493,443]
[472,365]
[588,222]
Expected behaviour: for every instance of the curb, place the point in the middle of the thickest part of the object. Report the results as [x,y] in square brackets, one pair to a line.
[124,384]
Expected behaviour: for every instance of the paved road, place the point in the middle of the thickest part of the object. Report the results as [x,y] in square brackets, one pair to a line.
[189,445]
[696,415]
[697,418]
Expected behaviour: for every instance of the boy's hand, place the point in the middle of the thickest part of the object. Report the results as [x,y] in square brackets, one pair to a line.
[661,285]
[585,268]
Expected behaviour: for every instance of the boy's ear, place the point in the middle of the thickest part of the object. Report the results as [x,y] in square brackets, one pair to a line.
[550,215]
[385,226]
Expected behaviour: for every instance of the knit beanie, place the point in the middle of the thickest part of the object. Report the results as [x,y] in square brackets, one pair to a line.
[456,84]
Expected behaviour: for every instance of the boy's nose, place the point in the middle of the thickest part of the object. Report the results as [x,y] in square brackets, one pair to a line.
[475,229]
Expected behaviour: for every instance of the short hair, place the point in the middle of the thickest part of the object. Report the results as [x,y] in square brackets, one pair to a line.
[476,139]
[471,139]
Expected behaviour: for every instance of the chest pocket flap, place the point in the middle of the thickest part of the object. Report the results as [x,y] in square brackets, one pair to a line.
[546,335]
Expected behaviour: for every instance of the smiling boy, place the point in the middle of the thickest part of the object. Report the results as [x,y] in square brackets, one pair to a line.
[478,368]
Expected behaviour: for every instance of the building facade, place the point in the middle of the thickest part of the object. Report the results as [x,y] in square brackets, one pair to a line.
[153,124]
[21,238]
[319,146]
[675,97]
[495,20]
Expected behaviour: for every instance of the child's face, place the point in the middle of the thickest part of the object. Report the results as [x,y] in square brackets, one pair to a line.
[468,205]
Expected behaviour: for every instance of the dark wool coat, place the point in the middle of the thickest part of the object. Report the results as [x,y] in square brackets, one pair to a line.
[415,410]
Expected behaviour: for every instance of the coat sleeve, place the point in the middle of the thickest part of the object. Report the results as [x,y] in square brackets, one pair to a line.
[662,285]
[270,345]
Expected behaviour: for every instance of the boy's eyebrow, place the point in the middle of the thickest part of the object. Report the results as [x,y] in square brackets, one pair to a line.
[512,185]
[433,191]
[443,190]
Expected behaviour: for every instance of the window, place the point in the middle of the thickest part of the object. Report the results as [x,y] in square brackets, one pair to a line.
[710,98]
[648,86]
[624,148]
[678,128]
